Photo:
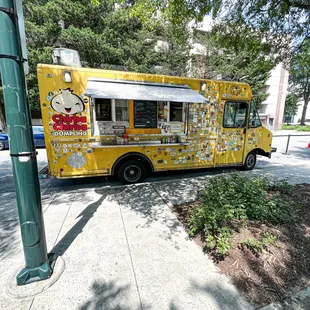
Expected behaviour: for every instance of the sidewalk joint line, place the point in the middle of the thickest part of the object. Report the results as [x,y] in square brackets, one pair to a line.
[31,303]
[49,203]
[157,192]
[63,222]
[131,260]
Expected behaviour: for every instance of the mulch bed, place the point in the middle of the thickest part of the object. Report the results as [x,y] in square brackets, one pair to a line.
[282,269]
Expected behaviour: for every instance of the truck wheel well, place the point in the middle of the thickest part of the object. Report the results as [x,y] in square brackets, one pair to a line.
[133,156]
[260,152]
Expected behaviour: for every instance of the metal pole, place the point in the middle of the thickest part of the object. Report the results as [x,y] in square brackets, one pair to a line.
[288,143]
[22,149]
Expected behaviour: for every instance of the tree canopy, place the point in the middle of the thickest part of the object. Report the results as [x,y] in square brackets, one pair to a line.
[281,21]
[300,76]
[236,52]
[106,35]
[291,105]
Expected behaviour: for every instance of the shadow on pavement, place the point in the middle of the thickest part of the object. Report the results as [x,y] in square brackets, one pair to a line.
[9,238]
[148,204]
[300,153]
[107,295]
[61,247]
[223,297]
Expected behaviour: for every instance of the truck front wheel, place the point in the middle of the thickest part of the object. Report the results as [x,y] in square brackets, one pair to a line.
[250,161]
[132,171]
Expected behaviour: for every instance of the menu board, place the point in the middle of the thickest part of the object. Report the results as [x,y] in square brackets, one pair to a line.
[145,114]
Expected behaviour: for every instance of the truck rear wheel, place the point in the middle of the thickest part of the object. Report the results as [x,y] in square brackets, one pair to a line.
[250,161]
[132,171]
[2,146]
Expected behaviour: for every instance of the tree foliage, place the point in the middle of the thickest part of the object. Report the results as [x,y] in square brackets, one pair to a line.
[281,21]
[236,52]
[107,35]
[104,33]
[291,105]
[300,76]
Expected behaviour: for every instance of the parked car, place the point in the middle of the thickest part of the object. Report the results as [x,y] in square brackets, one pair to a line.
[4,141]
[38,134]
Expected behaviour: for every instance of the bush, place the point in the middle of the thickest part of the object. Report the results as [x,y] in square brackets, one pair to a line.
[288,127]
[268,239]
[295,127]
[257,246]
[303,128]
[232,200]
[254,245]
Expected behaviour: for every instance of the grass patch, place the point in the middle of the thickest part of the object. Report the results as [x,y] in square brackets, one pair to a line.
[295,127]
[228,202]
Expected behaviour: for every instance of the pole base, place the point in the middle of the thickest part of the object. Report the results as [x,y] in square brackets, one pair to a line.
[43,272]
[35,288]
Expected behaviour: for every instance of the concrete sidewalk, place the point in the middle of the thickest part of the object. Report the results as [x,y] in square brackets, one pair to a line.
[123,249]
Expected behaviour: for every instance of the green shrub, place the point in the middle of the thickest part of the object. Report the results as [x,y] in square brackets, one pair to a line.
[303,128]
[257,246]
[237,198]
[295,127]
[268,239]
[288,127]
[254,245]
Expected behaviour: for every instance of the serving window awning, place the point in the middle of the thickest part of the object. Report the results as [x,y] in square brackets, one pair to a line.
[132,90]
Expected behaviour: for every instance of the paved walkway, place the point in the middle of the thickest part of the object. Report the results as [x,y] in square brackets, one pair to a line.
[123,249]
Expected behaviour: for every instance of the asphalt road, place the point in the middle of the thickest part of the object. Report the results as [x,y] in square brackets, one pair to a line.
[299,155]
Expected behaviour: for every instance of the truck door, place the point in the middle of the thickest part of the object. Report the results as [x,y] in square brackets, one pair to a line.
[232,134]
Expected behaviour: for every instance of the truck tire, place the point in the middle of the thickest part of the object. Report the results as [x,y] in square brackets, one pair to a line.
[2,147]
[250,161]
[132,171]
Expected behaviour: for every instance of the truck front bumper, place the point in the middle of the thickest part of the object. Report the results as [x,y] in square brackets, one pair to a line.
[273,150]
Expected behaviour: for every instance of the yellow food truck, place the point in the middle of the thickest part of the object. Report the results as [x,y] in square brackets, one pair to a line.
[102,122]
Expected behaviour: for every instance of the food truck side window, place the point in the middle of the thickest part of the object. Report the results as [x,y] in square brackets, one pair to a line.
[110,110]
[121,110]
[235,114]
[176,111]
[254,120]
[103,109]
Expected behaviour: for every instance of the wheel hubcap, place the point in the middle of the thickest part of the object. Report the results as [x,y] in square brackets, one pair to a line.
[250,160]
[132,173]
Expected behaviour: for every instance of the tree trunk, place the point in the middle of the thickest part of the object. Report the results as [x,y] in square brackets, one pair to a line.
[304,111]
[2,117]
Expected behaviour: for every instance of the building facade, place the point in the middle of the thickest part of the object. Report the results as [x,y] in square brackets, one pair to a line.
[272,111]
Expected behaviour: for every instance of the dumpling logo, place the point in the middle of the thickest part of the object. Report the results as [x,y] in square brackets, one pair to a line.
[68,105]
[67,102]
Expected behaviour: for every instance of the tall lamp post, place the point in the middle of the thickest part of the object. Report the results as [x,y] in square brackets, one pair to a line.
[22,148]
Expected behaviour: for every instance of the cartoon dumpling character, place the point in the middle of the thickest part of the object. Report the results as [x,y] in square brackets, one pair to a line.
[76,161]
[67,102]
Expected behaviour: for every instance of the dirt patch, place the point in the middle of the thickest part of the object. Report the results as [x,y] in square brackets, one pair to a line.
[282,269]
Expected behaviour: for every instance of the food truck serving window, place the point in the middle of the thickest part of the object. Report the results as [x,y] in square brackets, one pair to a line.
[111,110]
[235,114]
[176,111]
[103,110]
[121,110]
